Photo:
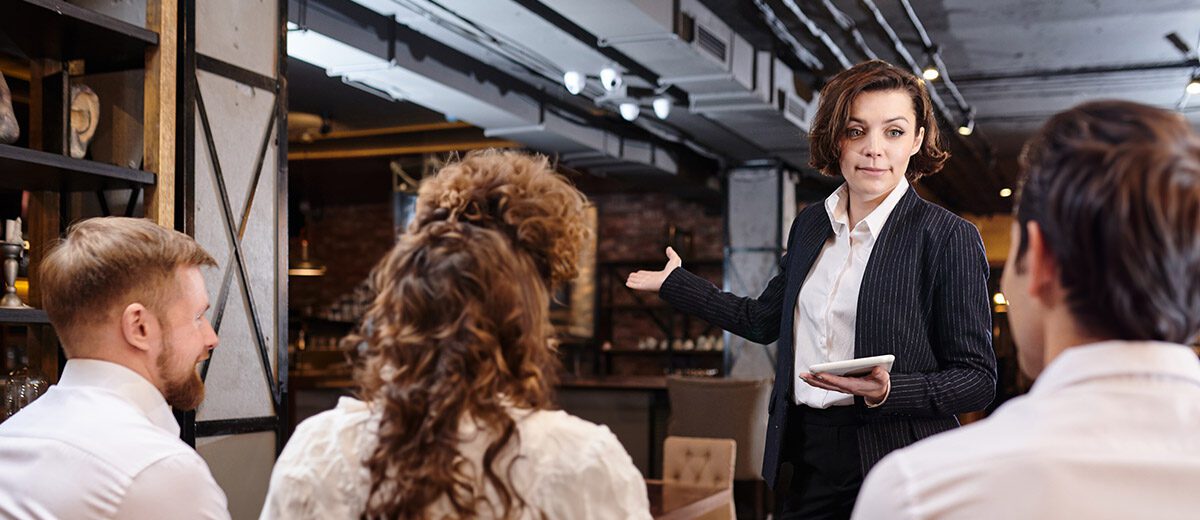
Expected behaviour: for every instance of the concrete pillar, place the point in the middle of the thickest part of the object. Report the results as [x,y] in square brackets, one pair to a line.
[761,206]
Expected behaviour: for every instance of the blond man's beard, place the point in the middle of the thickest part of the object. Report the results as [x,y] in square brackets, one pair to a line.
[187,392]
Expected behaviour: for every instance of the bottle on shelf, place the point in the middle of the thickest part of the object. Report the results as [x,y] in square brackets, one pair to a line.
[24,385]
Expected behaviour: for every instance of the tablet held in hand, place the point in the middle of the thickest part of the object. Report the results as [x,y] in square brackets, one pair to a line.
[854,367]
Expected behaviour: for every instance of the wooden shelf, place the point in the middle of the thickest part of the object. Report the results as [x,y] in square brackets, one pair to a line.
[634,352]
[60,31]
[312,320]
[635,307]
[25,169]
[615,382]
[659,263]
[18,316]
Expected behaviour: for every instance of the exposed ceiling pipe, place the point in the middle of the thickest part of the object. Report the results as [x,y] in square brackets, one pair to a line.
[781,31]
[1043,74]
[987,158]
[936,55]
[849,26]
[818,33]
[908,58]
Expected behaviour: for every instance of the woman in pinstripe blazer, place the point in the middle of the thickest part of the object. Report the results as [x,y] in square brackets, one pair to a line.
[874,270]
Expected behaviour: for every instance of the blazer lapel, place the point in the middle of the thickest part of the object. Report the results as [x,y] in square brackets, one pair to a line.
[800,259]
[891,239]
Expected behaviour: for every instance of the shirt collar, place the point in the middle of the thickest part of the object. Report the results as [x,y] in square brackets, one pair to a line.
[1118,358]
[837,205]
[127,384]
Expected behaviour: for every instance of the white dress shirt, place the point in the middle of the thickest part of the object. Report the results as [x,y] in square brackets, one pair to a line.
[102,443]
[827,306]
[568,468]
[1110,430]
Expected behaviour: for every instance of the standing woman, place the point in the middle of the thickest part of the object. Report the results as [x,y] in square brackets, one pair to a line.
[874,270]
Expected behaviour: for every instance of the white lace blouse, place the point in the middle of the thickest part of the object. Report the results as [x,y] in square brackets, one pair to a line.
[567,468]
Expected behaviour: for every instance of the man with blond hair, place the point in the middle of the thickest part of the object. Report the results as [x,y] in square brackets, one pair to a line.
[128,302]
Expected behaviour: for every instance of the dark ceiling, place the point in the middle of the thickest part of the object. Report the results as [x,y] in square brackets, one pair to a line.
[1015,62]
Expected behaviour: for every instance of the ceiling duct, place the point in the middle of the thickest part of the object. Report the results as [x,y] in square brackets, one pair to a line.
[371,49]
[745,90]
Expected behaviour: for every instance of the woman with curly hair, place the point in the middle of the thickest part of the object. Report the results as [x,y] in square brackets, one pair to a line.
[453,419]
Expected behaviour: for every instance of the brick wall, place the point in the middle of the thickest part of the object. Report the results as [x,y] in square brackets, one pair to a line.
[633,232]
[633,229]
[350,240]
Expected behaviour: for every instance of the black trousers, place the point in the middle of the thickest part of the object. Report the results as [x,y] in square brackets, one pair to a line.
[826,468]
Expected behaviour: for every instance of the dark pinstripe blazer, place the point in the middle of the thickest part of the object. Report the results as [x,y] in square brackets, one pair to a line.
[924,298]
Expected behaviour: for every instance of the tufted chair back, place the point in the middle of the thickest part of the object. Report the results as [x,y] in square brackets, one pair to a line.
[695,461]
[699,462]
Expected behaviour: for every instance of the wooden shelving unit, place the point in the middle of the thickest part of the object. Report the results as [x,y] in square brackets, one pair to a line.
[23,316]
[60,31]
[614,310]
[54,41]
[32,170]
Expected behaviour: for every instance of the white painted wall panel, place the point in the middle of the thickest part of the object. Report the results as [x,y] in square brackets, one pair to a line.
[754,223]
[241,32]
[239,116]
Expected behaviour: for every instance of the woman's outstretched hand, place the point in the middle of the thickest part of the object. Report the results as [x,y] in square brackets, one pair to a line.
[653,280]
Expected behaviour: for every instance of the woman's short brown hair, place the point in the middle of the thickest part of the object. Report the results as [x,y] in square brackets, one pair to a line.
[106,263]
[833,113]
[1115,188]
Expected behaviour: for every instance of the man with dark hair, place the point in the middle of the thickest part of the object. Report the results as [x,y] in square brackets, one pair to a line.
[1103,285]
[128,302]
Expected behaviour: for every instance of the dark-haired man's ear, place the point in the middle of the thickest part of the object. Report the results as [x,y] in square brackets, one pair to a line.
[139,326]
[1041,266]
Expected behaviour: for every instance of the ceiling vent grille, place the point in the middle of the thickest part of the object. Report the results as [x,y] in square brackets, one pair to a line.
[711,43]
[796,110]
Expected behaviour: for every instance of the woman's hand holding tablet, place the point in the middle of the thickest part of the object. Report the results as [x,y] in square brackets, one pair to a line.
[854,367]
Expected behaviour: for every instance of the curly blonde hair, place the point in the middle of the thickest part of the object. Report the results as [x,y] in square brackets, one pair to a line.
[460,330]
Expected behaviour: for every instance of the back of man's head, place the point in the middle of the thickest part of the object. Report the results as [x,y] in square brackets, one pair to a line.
[104,264]
[1114,187]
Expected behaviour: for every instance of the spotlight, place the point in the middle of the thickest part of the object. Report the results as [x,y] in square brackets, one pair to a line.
[930,73]
[574,82]
[1005,192]
[610,79]
[629,111]
[967,128]
[1193,86]
[662,107]
[999,299]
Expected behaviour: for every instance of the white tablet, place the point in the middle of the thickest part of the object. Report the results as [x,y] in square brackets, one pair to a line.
[854,367]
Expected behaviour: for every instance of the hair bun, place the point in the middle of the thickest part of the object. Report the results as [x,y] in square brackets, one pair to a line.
[516,194]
